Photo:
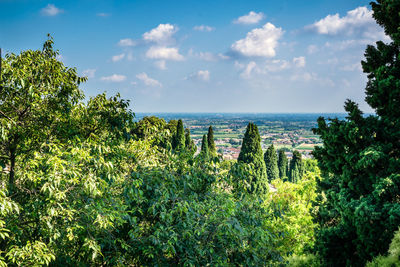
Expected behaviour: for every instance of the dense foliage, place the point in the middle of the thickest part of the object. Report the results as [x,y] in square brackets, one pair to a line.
[360,159]
[295,167]
[271,163]
[282,164]
[211,143]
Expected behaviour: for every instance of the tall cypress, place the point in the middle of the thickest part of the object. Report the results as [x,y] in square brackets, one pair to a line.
[204,147]
[211,143]
[282,164]
[271,163]
[189,144]
[296,167]
[251,154]
[179,140]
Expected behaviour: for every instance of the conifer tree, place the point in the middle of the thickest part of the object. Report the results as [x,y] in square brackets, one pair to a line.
[252,155]
[179,138]
[211,143]
[360,159]
[204,147]
[296,167]
[189,144]
[282,164]
[271,163]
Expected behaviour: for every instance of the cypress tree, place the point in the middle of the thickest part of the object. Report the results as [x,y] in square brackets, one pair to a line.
[360,159]
[251,154]
[271,163]
[179,140]
[282,164]
[204,148]
[211,143]
[296,167]
[189,144]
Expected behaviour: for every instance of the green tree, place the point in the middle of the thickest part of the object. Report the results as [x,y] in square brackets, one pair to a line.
[211,143]
[204,152]
[179,137]
[296,167]
[189,143]
[282,164]
[271,163]
[360,159]
[251,162]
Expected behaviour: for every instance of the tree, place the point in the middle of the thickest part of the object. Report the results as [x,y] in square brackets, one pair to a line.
[189,144]
[271,163]
[211,143]
[360,159]
[204,152]
[282,164]
[179,138]
[296,167]
[251,163]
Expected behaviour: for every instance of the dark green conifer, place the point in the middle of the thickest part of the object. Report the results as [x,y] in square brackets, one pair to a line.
[204,148]
[271,163]
[189,144]
[296,167]
[211,143]
[179,140]
[282,164]
[252,155]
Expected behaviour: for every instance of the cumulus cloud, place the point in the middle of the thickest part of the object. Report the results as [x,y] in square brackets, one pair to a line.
[164,53]
[126,42]
[114,78]
[201,75]
[161,35]
[251,18]
[249,69]
[299,61]
[90,73]
[259,42]
[203,28]
[147,80]
[118,57]
[51,10]
[357,21]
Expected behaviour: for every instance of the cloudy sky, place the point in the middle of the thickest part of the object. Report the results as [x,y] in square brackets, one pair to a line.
[206,56]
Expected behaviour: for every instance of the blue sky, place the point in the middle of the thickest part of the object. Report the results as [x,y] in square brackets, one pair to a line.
[206,56]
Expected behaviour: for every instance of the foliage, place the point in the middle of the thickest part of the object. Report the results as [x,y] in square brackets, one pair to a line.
[189,143]
[204,152]
[211,143]
[304,260]
[393,257]
[282,164]
[296,167]
[250,168]
[271,163]
[178,141]
[360,160]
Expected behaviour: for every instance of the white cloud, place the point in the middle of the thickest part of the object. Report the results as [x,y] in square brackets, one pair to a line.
[311,49]
[357,21]
[103,15]
[161,64]
[246,74]
[201,75]
[114,78]
[161,35]
[118,57]
[164,53]
[147,80]
[51,10]
[203,28]
[276,65]
[90,73]
[299,61]
[126,42]
[250,18]
[259,42]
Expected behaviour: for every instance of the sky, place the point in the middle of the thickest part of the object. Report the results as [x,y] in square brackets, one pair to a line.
[205,56]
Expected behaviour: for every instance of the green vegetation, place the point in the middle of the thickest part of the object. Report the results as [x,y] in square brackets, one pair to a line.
[271,163]
[210,141]
[296,167]
[205,152]
[282,164]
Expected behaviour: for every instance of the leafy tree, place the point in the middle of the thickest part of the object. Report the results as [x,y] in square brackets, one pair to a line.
[179,137]
[189,143]
[296,167]
[251,165]
[393,257]
[282,164]
[211,143]
[271,163]
[360,159]
[204,152]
